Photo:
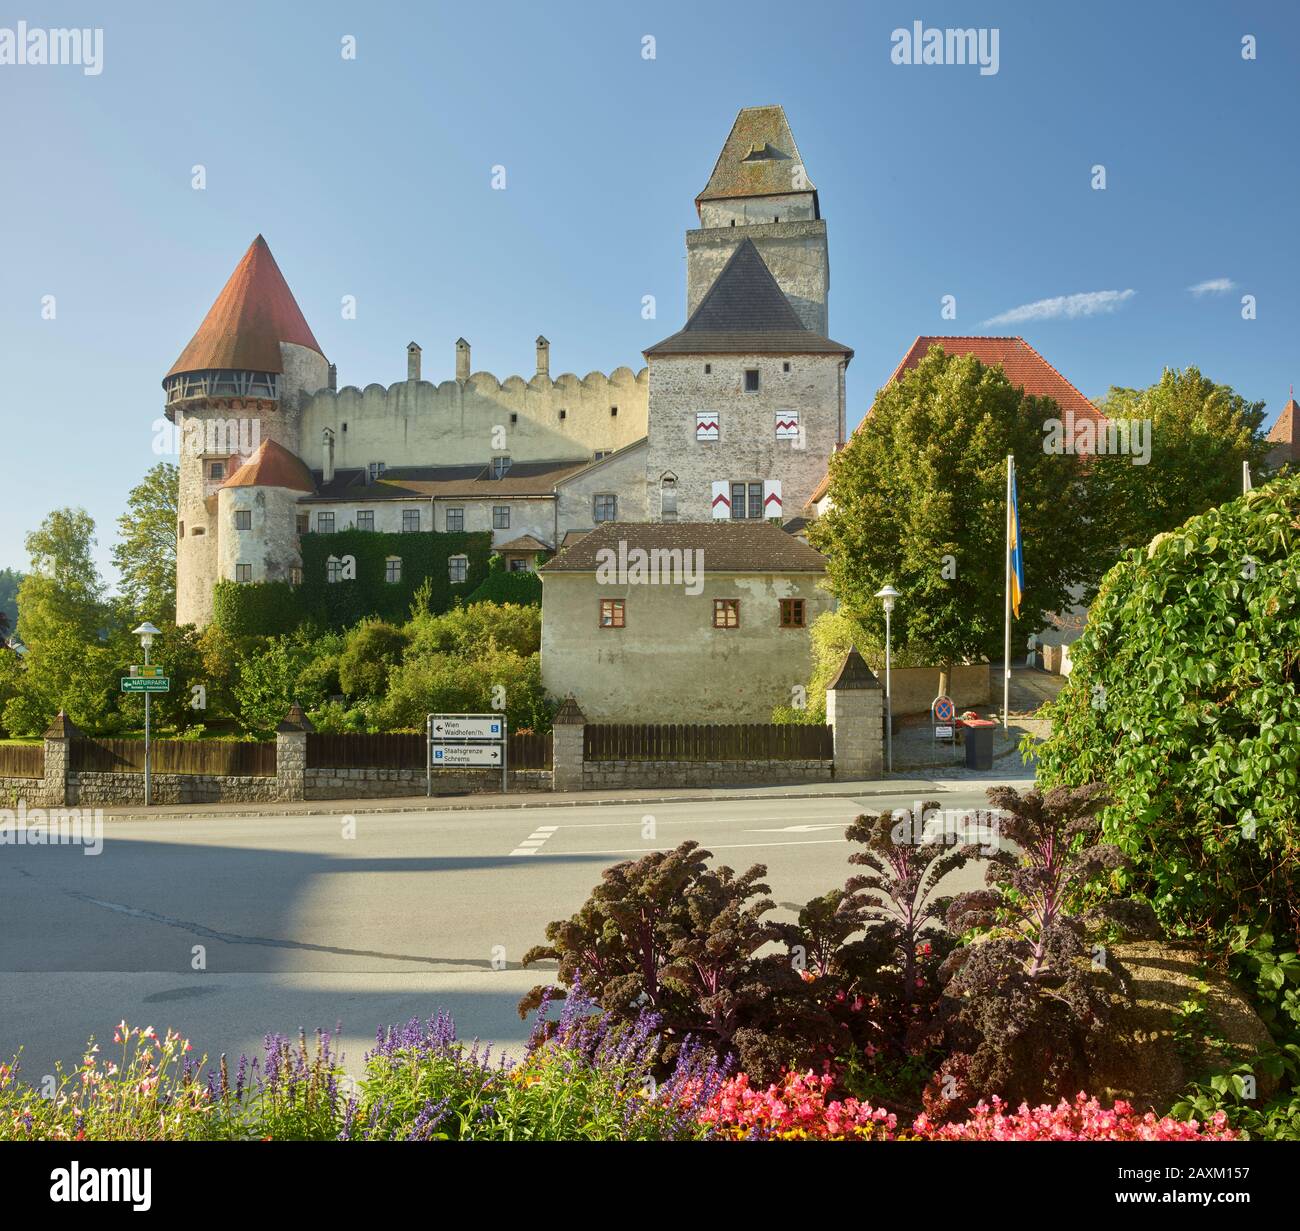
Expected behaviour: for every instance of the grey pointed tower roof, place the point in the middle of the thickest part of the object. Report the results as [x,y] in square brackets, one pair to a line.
[758,159]
[853,673]
[746,312]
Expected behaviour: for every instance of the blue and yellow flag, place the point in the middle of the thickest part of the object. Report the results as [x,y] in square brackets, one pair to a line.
[1013,547]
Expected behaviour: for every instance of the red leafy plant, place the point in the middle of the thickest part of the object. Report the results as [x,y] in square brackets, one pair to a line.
[1029,997]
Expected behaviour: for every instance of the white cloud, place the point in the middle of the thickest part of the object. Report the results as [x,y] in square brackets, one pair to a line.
[1086,303]
[1212,286]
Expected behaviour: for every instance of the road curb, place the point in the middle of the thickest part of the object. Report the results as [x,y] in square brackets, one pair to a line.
[404,804]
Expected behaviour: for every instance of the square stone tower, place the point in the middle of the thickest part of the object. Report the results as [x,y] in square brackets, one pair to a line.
[760,190]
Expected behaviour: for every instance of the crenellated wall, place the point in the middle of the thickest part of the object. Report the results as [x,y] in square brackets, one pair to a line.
[418,423]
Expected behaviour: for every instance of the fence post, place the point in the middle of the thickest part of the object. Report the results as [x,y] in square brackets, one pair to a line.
[567,734]
[854,704]
[58,761]
[291,754]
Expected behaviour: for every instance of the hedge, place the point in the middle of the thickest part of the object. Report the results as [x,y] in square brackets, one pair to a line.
[504,587]
[264,608]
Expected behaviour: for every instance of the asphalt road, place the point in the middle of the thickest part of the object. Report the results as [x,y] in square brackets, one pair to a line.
[227,929]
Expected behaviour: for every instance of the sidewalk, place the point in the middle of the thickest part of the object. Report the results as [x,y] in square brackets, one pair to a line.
[1009,770]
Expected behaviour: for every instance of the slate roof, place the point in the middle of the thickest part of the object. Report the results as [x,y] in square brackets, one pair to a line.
[1024,366]
[757,159]
[728,546]
[746,312]
[471,481]
[272,465]
[254,313]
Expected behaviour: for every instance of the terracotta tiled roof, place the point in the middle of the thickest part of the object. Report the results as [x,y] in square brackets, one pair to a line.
[758,158]
[272,465]
[745,312]
[1285,433]
[727,546]
[1024,366]
[254,313]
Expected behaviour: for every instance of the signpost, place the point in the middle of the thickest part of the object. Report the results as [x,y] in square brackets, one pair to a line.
[147,679]
[146,683]
[465,741]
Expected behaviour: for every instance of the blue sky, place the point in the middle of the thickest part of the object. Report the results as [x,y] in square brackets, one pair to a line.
[372,178]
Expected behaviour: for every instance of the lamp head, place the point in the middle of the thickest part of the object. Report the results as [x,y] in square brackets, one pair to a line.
[146,632]
[887,595]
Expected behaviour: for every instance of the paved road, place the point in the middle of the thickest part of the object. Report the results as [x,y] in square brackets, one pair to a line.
[300,924]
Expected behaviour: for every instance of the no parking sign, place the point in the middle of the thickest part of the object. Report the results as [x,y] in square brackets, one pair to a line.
[942,713]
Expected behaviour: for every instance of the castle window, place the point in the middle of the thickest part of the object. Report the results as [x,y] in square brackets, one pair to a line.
[455,520]
[197,532]
[180,530]
[726,613]
[751,380]
[604,508]
[324,523]
[740,507]
[613,613]
[393,569]
[295,575]
[216,470]
[458,569]
[785,367]
[601,453]
[708,369]
[668,498]
[304,523]
[410,521]
[564,414]
[500,466]
[376,470]
[243,572]
[514,418]
[519,565]
[613,410]
[500,517]
[365,519]
[792,613]
[333,570]
[243,519]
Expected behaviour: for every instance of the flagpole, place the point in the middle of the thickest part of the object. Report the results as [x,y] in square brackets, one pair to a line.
[1006,636]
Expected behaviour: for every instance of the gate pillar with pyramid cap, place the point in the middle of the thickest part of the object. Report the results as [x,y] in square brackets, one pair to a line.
[568,731]
[55,790]
[291,754]
[854,708]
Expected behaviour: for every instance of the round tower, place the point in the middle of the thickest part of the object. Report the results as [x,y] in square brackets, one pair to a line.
[256,518]
[240,382]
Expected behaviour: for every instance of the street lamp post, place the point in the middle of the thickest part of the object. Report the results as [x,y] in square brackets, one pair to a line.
[146,632]
[887,595]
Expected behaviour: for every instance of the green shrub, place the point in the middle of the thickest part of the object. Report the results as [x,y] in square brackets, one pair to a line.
[449,683]
[1184,697]
[372,650]
[472,630]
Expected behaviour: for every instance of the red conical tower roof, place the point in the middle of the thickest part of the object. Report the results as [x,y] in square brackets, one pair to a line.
[254,313]
[272,465]
[1286,431]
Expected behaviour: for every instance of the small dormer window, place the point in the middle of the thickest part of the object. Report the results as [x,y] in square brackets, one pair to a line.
[751,380]
[501,465]
[376,470]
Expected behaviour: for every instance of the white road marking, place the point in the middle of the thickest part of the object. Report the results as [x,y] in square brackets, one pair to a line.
[795,829]
[728,846]
[533,843]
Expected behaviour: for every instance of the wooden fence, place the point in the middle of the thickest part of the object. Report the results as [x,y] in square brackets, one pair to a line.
[225,758]
[759,741]
[22,760]
[524,750]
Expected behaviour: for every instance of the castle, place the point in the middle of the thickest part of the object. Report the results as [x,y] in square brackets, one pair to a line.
[734,416]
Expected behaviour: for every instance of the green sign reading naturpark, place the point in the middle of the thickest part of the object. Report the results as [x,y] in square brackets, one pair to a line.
[146,683]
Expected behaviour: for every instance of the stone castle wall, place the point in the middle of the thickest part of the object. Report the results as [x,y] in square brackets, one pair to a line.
[417,423]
